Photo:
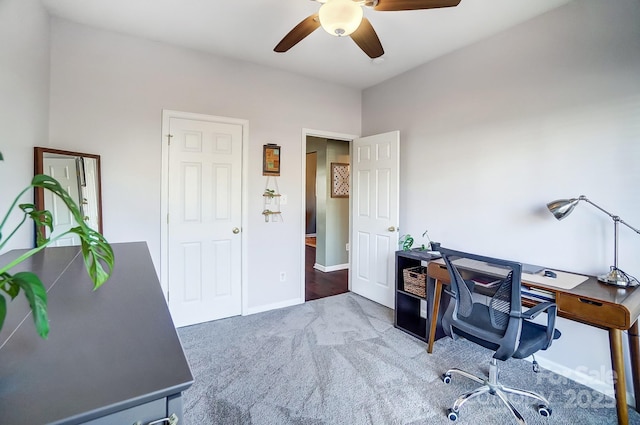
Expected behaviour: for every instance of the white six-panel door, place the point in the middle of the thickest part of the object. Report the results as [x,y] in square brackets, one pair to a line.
[374,237]
[204,220]
[64,170]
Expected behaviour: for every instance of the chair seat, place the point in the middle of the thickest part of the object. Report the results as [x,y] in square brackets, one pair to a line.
[533,336]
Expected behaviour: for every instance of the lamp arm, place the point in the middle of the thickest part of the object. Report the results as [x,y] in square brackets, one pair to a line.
[628,225]
[614,217]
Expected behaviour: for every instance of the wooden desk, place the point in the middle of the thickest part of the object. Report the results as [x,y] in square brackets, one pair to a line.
[592,303]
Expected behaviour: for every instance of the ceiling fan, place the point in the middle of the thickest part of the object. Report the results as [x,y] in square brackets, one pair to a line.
[345,18]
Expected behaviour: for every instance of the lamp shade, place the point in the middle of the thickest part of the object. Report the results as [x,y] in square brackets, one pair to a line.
[560,208]
[340,17]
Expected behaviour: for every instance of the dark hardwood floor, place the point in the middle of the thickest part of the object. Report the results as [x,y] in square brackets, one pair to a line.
[319,284]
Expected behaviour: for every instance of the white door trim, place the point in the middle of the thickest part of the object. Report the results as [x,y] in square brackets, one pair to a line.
[329,135]
[164,194]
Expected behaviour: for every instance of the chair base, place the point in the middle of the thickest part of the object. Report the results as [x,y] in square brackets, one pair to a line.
[493,387]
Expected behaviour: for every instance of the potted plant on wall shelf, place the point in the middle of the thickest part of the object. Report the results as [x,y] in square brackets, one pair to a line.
[96,251]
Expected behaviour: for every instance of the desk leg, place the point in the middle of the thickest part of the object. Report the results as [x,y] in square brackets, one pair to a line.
[433,320]
[634,345]
[620,384]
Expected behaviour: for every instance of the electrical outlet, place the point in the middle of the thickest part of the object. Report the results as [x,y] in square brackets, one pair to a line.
[346,247]
[283,276]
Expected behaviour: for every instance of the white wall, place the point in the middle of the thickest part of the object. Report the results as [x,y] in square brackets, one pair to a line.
[24,104]
[107,94]
[491,133]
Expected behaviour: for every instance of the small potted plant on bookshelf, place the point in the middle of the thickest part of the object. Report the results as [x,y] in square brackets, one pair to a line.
[97,253]
[406,241]
[433,246]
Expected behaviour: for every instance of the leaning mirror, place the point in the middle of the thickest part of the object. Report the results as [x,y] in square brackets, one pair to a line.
[79,174]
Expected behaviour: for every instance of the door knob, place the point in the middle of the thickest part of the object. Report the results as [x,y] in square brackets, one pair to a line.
[235,230]
[392,229]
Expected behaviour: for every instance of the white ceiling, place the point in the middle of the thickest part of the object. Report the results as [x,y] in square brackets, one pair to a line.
[248,30]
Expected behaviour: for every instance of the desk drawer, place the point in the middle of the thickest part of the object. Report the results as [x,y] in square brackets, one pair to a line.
[593,312]
[141,414]
[438,271]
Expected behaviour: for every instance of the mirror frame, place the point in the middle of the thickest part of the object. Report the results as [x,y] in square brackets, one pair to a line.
[38,166]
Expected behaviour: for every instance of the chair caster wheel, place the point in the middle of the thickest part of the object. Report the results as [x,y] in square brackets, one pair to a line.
[544,410]
[446,378]
[452,415]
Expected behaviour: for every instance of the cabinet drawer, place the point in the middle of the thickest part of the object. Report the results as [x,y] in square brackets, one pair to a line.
[144,413]
[593,312]
[439,272]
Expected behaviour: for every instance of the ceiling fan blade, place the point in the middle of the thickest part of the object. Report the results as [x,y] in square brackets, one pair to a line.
[390,5]
[303,29]
[367,39]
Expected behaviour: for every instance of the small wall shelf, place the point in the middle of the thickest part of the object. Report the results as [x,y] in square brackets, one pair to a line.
[271,202]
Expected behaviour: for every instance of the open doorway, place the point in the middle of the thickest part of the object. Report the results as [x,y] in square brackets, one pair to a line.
[326,220]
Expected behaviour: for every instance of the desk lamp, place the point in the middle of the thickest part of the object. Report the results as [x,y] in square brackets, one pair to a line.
[563,207]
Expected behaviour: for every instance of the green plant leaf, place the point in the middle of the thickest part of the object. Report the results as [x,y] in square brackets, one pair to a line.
[97,254]
[96,251]
[49,183]
[3,308]
[37,296]
[9,286]
[41,219]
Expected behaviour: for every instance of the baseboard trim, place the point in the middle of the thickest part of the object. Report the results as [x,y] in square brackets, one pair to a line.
[335,268]
[274,306]
[582,378]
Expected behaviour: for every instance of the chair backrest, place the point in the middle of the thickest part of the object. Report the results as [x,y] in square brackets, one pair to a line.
[486,303]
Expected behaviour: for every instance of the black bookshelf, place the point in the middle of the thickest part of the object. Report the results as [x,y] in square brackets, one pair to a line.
[407,313]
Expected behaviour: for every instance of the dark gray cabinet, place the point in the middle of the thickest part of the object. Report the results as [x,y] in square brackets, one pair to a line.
[412,311]
[113,355]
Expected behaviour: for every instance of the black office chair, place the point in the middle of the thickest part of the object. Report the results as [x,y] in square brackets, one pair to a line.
[486,308]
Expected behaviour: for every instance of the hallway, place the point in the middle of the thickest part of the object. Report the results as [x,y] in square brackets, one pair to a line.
[319,284]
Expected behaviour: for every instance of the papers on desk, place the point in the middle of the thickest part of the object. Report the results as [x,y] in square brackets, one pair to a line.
[486,281]
[537,294]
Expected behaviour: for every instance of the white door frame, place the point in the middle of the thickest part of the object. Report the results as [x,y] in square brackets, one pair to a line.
[328,135]
[164,196]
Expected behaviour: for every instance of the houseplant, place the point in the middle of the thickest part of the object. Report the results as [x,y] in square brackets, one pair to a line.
[96,251]
[406,241]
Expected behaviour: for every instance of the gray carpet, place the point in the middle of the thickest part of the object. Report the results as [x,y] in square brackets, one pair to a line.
[339,360]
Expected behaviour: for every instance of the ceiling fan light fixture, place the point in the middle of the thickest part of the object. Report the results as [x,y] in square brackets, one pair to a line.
[340,17]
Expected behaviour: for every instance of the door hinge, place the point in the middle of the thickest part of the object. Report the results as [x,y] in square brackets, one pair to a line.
[167,218]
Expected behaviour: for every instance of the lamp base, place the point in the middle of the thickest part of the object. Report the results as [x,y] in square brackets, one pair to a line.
[617,277]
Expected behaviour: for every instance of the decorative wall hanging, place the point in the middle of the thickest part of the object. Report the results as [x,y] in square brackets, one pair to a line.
[271,160]
[339,180]
[271,201]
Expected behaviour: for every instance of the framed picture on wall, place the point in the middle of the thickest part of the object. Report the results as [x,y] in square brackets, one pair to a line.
[271,160]
[339,180]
